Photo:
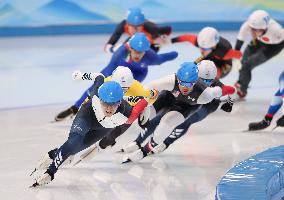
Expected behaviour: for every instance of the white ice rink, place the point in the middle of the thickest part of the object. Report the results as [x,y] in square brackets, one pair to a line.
[35,84]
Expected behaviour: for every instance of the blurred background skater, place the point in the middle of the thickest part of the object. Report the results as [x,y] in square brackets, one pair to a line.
[212,47]
[135,22]
[267,41]
[275,105]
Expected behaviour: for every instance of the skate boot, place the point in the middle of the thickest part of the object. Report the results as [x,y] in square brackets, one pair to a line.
[135,156]
[89,153]
[46,178]
[44,163]
[254,126]
[240,93]
[131,147]
[66,113]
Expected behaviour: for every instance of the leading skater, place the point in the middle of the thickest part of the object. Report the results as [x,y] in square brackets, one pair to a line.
[96,118]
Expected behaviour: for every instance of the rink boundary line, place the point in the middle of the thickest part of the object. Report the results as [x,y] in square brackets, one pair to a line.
[86,29]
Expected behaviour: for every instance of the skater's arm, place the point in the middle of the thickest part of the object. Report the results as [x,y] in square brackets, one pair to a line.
[156,30]
[99,80]
[157,59]
[165,83]
[233,54]
[228,90]
[244,31]
[136,110]
[186,38]
[137,89]
[209,94]
[117,33]
[78,75]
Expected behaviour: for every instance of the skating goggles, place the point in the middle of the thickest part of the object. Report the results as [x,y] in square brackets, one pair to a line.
[186,84]
[110,104]
[205,49]
[257,30]
[207,81]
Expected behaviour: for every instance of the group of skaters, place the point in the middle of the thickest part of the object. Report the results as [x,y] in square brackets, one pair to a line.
[165,108]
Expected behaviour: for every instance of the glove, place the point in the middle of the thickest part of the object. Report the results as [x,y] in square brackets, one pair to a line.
[163,40]
[160,148]
[134,99]
[108,48]
[227,107]
[280,121]
[143,118]
[77,75]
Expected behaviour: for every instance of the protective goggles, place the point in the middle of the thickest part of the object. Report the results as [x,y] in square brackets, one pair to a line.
[205,49]
[110,104]
[186,84]
[207,81]
[257,30]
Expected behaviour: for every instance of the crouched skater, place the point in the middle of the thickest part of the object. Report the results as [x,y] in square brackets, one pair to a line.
[105,110]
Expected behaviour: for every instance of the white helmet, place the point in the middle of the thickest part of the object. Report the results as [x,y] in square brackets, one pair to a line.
[123,76]
[208,37]
[259,19]
[207,69]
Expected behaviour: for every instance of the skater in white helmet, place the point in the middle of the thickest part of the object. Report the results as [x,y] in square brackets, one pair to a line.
[212,47]
[267,40]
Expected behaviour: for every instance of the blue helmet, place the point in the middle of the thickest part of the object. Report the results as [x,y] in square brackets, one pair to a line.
[188,72]
[139,42]
[110,92]
[135,16]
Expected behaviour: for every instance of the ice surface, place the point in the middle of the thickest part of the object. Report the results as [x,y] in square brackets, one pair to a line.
[36,84]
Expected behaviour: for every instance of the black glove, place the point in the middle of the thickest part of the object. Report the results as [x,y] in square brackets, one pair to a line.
[140,123]
[227,107]
[134,99]
[280,121]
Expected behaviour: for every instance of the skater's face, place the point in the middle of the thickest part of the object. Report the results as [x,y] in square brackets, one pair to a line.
[109,109]
[205,51]
[134,29]
[185,87]
[256,32]
[136,56]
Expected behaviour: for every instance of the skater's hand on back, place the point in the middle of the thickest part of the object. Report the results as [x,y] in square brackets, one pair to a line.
[227,107]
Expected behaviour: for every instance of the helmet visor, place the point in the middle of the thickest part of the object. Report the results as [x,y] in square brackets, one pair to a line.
[114,104]
[207,81]
[186,84]
[205,49]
